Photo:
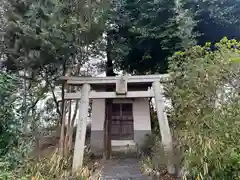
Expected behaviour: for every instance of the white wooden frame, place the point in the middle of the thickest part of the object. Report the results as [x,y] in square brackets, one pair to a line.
[81,129]
[111,95]
[112,79]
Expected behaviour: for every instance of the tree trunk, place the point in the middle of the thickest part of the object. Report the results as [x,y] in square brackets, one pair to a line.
[63,93]
[63,113]
[25,122]
[61,141]
[67,136]
[108,108]
[72,127]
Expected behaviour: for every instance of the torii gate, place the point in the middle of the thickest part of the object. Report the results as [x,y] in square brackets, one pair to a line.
[86,93]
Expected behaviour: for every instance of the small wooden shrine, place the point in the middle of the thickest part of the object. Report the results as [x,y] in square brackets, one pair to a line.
[130,117]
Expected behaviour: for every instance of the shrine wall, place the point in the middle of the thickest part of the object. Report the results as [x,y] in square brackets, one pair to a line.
[97,134]
[142,122]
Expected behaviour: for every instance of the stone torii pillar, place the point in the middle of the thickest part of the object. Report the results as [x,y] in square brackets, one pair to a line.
[81,128]
[164,126]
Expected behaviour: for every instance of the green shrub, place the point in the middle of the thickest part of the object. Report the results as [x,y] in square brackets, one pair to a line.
[15,147]
[206,108]
[9,132]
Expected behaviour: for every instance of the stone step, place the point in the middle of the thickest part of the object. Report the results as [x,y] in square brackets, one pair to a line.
[125,176]
[122,169]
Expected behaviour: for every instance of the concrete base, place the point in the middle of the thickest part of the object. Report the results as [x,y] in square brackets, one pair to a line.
[97,142]
[140,136]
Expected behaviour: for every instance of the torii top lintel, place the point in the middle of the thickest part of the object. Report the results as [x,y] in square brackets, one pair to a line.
[139,79]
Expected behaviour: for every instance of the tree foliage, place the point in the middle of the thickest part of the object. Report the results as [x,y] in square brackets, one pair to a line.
[47,32]
[9,121]
[216,19]
[42,41]
[147,32]
[205,114]
[13,148]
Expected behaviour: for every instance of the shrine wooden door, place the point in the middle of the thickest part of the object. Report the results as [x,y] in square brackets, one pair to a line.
[122,122]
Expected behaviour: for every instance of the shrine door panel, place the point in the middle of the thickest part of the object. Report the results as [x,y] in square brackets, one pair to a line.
[122,121]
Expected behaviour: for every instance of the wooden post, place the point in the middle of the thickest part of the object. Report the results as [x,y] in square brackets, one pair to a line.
[81,128]
[67,134]
[164,126]
[62,129]
[108,130]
